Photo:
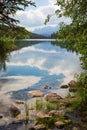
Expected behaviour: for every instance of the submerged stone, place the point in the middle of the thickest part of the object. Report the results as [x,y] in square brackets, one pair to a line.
[47,87]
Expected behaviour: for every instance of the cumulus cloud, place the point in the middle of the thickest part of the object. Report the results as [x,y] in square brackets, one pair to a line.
[34,18]
[52,2]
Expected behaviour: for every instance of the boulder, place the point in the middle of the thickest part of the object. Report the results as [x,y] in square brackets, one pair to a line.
[66,102]
[43,115]
[1,116]
[73,86]
[64,86]
[14,111]
[47,87]
[52,97]
[36,93]
[59,124]
[39,127]
[57,113]
[72,83]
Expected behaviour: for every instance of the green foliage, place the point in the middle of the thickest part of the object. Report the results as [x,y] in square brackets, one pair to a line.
[68,95]
[39,104]
[74,9]
[75,35]
[54,35]
[51,106]
[21,33]
[13,33]
[8,8]
[7,40]
[75,104]
[47,19]
[76,32]
[46,106]
[26,105]
[6,45]
[82,91]
[48,122]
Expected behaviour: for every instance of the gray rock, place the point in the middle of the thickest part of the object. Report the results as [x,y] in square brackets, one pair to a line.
[1,116]
[47,87]
[14,111]
[73,86]
[64,86]
[72,83]
[52,97]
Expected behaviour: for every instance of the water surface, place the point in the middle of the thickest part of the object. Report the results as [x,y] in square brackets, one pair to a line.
[34,66]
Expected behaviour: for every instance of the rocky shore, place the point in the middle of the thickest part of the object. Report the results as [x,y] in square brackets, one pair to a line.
[46,112]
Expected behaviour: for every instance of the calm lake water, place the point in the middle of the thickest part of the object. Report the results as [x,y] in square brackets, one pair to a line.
[35,66]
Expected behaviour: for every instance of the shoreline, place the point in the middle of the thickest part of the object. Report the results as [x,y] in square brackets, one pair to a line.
[19,121]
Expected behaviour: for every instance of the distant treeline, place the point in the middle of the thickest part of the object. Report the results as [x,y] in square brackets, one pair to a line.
[18,32]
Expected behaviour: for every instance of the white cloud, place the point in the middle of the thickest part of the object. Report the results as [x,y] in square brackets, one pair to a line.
[35,18]
[52,2]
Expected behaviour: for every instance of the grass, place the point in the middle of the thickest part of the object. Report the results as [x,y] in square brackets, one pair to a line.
[26,105]
[68,95]
[48,122]
[51,106]
[39,104]
[46,106]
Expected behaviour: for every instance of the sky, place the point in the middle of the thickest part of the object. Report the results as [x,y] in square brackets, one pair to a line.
[33,17]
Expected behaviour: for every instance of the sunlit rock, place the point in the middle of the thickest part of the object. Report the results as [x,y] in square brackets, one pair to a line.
[52,97]
[57,113]
[36,93]
[43,115]
[59,124]
[39,127]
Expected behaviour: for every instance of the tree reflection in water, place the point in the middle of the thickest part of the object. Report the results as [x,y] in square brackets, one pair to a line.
[4,56]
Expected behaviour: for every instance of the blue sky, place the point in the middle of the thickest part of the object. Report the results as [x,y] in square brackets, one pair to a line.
[33,17]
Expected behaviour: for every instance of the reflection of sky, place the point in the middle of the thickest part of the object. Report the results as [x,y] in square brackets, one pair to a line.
[43,58]
[51,64]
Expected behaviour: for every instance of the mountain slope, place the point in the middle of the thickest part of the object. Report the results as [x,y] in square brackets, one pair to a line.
[47,30]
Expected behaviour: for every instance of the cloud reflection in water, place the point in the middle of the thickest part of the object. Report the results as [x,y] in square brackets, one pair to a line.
[51,64]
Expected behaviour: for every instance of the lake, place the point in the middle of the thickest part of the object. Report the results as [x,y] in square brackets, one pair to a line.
[34,66]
